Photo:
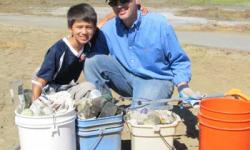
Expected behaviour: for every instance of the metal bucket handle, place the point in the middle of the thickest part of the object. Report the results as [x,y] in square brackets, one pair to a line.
[158,131]
[101,131]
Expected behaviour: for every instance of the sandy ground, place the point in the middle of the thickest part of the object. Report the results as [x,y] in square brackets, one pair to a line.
[22,49]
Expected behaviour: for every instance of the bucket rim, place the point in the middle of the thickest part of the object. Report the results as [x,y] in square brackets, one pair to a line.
[175,123]
[224,129]
[222,120]
[203,107]
[48,125]
[102,118]
[100,131]
[89,123]
[226,99]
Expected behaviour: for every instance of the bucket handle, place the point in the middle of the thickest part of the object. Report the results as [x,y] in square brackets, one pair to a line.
[101,134]
[158,131]
[54,128]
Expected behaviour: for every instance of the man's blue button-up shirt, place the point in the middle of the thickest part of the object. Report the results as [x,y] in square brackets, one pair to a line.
[149,48]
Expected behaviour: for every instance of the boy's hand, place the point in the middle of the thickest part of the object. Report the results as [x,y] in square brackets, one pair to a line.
[141,7]
[37,86]
[58,103]
[144,10]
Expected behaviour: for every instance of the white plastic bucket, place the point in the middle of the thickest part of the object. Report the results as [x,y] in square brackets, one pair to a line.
[53,132]
[153,137]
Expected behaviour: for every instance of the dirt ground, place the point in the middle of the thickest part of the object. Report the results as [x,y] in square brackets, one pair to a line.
[23,47]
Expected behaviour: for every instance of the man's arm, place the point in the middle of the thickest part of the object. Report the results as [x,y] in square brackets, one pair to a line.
[180,66]
[177,57]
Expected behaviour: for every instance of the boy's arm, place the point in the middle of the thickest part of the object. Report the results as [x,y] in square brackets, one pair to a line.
[37,86]
[105,19]
[47,70]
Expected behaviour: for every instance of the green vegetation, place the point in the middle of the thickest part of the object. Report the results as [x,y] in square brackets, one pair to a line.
[173,3]
[218,2]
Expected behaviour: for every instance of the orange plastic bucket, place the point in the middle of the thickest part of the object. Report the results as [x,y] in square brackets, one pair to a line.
[224,124]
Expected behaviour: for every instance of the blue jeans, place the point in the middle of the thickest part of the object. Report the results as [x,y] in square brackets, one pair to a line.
[106,72]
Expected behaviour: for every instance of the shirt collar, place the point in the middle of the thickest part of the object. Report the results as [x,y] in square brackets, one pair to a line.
[85,49]
[135,24]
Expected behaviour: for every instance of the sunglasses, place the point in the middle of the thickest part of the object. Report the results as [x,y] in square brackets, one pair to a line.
[113,3]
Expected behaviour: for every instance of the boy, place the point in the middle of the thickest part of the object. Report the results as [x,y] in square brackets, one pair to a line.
[64,60]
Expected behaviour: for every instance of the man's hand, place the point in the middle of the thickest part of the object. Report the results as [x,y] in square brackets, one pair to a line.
[187,95]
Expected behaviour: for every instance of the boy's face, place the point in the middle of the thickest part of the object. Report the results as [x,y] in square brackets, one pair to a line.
[82,31]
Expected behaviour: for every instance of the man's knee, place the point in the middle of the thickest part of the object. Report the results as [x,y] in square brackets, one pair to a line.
[94,65]
[95,60]
[99,62]
[155,89]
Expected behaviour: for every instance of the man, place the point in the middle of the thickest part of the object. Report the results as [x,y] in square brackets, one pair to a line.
[146,59]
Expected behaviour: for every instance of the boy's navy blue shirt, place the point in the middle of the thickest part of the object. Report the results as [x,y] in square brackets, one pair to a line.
[61,66]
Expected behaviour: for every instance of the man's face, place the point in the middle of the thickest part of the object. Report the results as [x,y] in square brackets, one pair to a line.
[124,9]
[82,31]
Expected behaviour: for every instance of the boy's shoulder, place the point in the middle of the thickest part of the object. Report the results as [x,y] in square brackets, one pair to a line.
[59,45]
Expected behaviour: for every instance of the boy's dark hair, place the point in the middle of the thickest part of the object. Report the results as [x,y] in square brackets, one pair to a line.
[83,12]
